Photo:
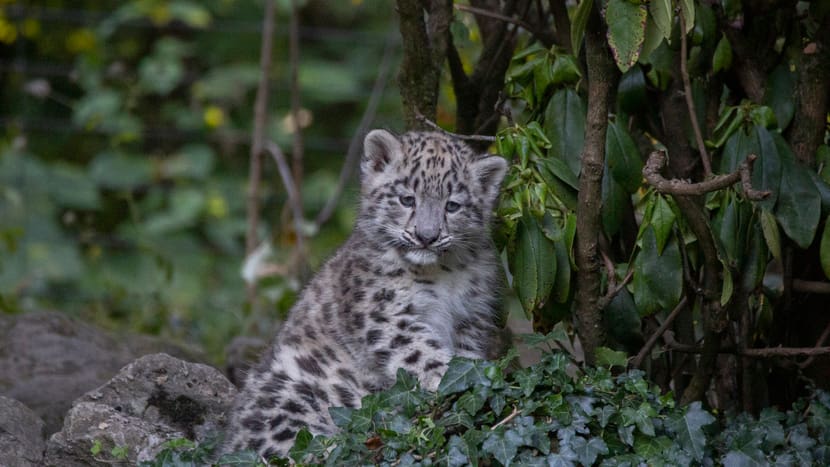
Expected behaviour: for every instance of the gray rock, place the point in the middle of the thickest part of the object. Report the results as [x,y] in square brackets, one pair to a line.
[21,435]
[47,360]
[155,399]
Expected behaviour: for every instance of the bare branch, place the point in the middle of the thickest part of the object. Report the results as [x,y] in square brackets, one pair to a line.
[643,353]
[260,116]
[690,102]
[657,160]
[491,14]
[821,340]
[434,126]
[294,199]
[355,145]
[818,287]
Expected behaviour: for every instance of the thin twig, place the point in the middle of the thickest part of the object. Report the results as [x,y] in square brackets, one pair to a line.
[297,148]
[641,355]
[355,145]
[657,160]
[293,193]
[260,116]
[690,103]
[434,126]
[507,419]
[820,342]
[492,14]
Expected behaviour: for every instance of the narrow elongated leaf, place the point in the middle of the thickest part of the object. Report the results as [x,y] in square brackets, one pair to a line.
[771,234]
[614,202]
[624,160]
[580,20]
[658,279]
[565,127]
[722,58]
[824,250]
[533,265]
[688,11]
[779,95]
[626,31]
[662,219]
[631,92]
[766,173]
[799,204]
[662,13]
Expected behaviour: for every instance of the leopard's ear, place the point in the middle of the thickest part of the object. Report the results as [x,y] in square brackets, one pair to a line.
[379,149]
[489,171]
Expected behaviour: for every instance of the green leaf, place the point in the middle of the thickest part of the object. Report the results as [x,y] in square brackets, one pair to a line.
[766,172]
[556,234]
[626,31]
[185,207]
[688,11]
[615,200]
[623,157]
[778,94]
[565,70]
[565,127]
[631,92]
[770,229]
[118,171]
[824,249]
[462,374]
[580,21]
[588,450]
[622,322]
[722,58]
[799,204]
[658,278]
[559,169]
[689,429]
[191,161]
[533,264]
[502,444]
[663,15]
[608,357]
[71,187]
[662,219]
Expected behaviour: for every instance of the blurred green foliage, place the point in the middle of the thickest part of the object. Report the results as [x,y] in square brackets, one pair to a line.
[124,153]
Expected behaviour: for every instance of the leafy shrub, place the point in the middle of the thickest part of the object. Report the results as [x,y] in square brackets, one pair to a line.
[552,413]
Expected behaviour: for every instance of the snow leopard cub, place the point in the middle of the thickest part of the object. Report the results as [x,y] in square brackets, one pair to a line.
[417,282]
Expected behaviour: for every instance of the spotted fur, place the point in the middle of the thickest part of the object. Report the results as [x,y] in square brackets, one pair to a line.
[417,282]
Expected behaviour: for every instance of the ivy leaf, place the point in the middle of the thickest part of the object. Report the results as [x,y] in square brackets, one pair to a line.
[341,416]
[588,450]
[626,31]
[689,429]
[502,444]
[608,357]
[462,374]
[460,453]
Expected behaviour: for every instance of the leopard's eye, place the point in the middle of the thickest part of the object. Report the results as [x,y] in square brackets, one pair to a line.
[452,206]
[407,201]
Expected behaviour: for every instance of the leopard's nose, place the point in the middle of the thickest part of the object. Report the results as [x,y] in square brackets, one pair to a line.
[427,235]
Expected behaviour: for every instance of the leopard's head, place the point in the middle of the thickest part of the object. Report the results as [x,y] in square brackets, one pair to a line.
[427,195]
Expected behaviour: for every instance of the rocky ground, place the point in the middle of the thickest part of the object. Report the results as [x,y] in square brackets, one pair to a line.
[70,393]
[74,395]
